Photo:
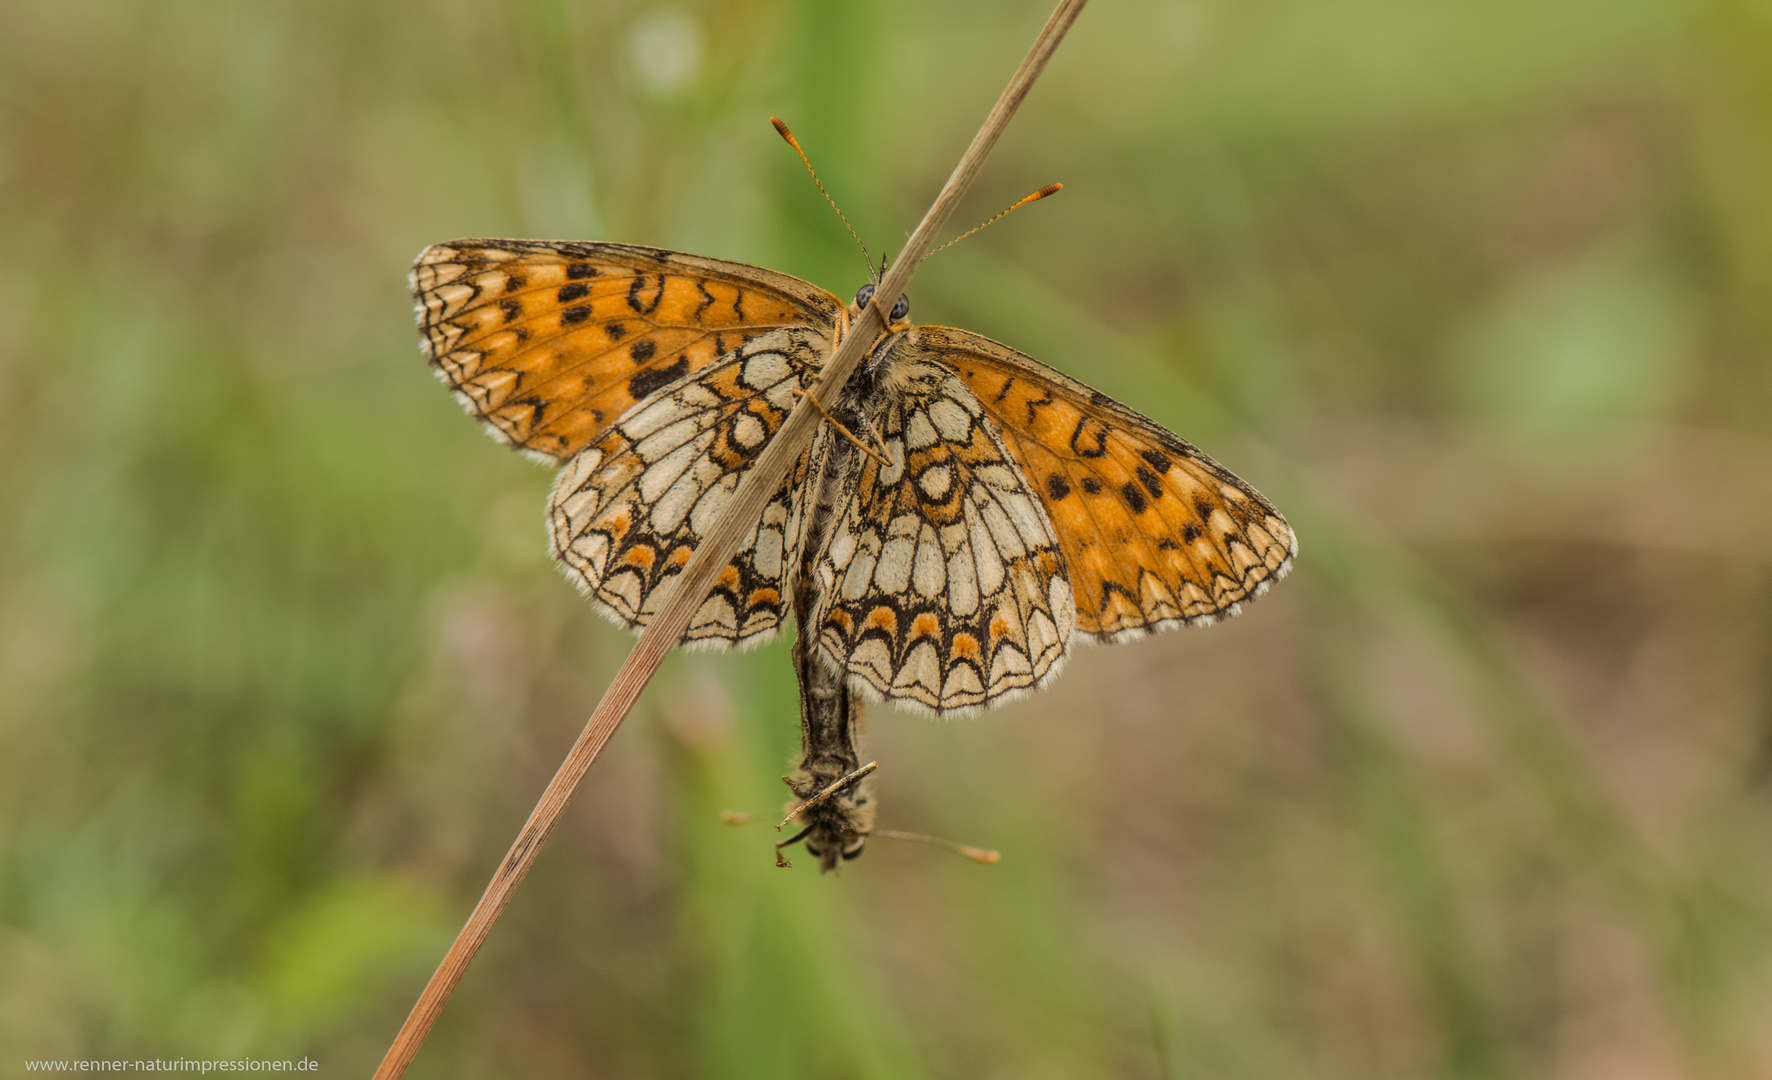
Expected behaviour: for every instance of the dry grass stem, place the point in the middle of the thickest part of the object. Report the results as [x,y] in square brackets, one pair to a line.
[835,786]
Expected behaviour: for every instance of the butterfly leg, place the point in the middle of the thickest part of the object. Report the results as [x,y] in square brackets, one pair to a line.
[879,441]
[782,860]
[846,433]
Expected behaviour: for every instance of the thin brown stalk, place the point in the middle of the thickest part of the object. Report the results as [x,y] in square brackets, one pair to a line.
[691,587]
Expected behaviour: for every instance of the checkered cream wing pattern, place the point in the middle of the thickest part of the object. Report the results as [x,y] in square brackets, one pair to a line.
[940,582]
[628,511]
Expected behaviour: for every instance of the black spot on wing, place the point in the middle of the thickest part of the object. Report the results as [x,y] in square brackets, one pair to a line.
[1092,485]
[642,350]
[645,383]
[512,310]
[1134,497]
[1158,461]
[572,316]
[1057,487]
[1152,483]
[615,330]
[580,271]
[575,290]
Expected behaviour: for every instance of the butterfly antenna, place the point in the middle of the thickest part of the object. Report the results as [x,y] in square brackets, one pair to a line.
[1049,189]
[782,130]
[978,855]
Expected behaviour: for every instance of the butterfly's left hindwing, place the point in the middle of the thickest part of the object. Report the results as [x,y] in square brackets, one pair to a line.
[627,512]
[939,582]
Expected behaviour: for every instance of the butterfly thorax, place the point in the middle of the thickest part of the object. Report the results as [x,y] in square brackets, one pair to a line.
[831,729]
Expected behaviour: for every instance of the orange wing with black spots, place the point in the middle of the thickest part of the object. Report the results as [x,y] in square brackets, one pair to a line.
[1155,533]
[548,342]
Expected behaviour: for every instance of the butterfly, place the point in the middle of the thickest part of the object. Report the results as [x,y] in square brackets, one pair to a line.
[964,515]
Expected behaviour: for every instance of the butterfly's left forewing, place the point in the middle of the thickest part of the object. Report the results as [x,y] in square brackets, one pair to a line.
[1155,534]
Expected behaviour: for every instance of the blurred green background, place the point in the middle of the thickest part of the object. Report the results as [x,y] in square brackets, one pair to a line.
[1475,290]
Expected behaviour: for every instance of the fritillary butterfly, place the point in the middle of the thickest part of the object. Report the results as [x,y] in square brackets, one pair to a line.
[976,514]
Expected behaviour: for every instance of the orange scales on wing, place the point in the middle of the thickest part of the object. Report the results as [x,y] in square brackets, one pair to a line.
[1153,531]
[549,342]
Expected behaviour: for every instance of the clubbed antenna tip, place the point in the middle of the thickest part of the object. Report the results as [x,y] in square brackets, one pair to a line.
[782,130]
[1049,189]
[978,855]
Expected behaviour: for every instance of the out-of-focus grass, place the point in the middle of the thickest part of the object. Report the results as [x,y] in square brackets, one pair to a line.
[1475,292]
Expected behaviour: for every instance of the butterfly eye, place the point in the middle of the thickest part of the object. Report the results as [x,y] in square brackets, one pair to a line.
[864,294]
[901,309]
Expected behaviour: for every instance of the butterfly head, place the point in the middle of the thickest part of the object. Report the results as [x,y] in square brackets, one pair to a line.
[899,310]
